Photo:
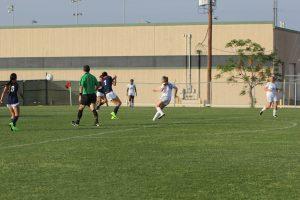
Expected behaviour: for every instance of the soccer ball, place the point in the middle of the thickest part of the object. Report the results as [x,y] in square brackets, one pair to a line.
[49,77]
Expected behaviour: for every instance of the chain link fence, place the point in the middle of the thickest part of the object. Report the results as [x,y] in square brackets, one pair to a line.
[42,92]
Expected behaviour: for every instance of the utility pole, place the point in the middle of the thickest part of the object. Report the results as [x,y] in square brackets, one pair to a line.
[209,55]
[275,10]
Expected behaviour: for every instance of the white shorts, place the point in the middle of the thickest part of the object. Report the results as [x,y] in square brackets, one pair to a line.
[13,105]
[166,101]
[131,94]
[111,96]
[100,94]
[271,97]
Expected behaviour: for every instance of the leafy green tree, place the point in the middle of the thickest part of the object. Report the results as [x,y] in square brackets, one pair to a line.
[252,66]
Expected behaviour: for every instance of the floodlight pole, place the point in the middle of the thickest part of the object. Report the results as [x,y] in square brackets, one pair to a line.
[209,55]
[275,10]
[77,21]
[77,14]
[124,11]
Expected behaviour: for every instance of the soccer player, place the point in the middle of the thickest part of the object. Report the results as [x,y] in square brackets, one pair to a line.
[101,98]
[11,90]
[166,97]
[107,83]
[131,92]
[272,98]
[88,86]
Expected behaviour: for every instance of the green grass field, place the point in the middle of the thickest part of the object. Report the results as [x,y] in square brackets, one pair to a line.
[192,153]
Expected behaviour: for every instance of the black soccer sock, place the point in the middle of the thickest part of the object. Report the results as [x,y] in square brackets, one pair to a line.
[15,119]
[116,109]
[96,116]
[98,107]
[79,115]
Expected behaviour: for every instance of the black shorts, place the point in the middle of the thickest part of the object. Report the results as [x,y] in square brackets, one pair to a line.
[131,97]
[88,99]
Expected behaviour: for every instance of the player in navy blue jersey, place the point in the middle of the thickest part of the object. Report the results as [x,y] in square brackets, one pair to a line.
[11,92]
[107,83]
[101,98]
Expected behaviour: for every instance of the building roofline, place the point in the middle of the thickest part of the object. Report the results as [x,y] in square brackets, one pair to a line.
[134,24]
[287,30]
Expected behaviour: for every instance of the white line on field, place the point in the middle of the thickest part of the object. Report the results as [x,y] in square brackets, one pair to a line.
[292,125]
[68,138]
[76,137]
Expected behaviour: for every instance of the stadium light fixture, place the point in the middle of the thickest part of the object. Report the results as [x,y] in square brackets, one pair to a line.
[77,14]
[34,21]
[11,11]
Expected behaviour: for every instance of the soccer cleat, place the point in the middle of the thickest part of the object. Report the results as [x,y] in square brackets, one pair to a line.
[14,129]
[275,116]
[261,112]
[97,124]
[75,123]
[11,125]
[113,116]
[161,116]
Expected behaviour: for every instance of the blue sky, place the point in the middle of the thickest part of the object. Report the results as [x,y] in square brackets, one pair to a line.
[111,11]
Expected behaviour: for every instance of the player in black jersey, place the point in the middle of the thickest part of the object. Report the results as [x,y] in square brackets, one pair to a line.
[101,98]
[11,91]
[107,83]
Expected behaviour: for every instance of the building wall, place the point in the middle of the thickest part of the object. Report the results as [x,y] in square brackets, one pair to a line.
[142,52]
[288,48]
[139,40]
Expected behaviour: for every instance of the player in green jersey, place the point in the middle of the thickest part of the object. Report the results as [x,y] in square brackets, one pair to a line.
[88,86]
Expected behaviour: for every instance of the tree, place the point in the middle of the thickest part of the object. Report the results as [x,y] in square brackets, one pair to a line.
[251,66]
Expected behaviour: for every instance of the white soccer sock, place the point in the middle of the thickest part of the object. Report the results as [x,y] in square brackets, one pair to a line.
[157,114]
[263,109]
[159,110]
[274,112]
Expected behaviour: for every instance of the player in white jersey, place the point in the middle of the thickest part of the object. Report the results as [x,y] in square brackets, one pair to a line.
[166,97]
[271,89]
[131,92]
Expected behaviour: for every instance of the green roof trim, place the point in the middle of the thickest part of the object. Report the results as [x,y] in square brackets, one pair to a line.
[135,24]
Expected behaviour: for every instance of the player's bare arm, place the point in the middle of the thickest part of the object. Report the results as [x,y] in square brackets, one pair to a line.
[114,80]
[176,91]
[3,94]
[80,93]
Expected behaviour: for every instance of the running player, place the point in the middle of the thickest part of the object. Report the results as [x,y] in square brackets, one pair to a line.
[107,83]
[11,90]
[131,92]
[166,97]
[101,98]
[88,86]
[272,98]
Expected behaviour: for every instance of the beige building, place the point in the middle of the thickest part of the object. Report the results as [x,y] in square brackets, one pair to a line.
[144,52]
